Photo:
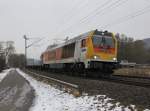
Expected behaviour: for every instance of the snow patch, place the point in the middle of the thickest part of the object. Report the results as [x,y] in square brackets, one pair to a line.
[49,98]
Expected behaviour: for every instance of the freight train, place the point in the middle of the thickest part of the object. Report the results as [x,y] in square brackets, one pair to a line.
[91,51]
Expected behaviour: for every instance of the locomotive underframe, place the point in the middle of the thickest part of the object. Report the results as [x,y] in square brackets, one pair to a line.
[95,68]
[81,66]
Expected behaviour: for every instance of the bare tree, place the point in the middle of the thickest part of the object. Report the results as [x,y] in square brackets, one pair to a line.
[6,49]
[9,50]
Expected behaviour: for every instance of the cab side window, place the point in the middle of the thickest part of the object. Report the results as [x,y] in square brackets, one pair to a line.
[83,43]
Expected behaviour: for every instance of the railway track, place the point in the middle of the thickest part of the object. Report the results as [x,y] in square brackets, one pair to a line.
[118,91]
[142,82]
[135,77]
[65,86]
[136,81]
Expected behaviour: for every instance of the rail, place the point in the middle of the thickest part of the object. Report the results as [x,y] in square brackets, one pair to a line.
[68,87]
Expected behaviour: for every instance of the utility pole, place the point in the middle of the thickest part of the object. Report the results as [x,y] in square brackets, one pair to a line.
[25,38]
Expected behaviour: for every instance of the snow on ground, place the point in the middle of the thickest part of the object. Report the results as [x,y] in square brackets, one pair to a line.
[49,98]
[3,74]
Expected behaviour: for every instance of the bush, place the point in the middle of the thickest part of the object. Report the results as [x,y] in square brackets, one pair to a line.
[2,64]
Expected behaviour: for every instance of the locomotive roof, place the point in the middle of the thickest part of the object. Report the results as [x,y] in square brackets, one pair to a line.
[70,41]
[84,35]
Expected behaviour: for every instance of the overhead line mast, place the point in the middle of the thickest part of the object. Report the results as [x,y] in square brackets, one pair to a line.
[28,46]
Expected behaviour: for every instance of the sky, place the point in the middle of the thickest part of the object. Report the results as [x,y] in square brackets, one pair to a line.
[57,19]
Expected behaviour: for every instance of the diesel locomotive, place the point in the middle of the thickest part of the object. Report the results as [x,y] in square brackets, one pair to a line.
[94,50]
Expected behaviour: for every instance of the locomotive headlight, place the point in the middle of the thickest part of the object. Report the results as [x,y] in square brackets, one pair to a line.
[95,57]
[115,59]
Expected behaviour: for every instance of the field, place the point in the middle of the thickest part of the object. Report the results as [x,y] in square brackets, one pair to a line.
[142,71]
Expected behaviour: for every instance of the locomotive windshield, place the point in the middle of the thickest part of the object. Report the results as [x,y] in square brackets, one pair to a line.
[103,41]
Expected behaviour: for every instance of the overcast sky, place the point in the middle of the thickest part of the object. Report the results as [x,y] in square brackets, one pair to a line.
[60,18]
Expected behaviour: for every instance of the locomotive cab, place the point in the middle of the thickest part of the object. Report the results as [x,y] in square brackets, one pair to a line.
[102,50]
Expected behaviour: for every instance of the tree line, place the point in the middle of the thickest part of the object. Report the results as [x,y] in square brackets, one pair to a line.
[2,62]
[9,57]
[133,50]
